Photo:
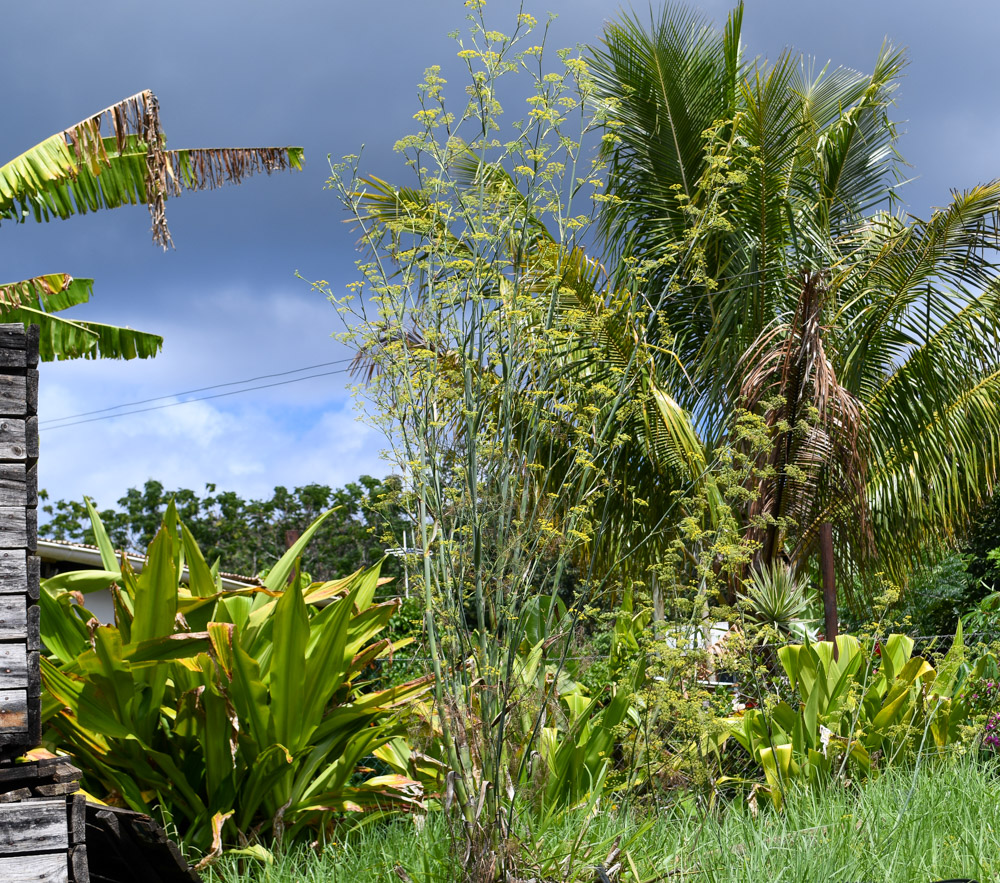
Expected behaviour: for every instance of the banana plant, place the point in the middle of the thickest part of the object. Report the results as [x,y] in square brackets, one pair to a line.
[115,157]
[230,714]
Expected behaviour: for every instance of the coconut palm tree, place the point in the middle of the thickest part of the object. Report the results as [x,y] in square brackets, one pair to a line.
[762,197]
[115,157]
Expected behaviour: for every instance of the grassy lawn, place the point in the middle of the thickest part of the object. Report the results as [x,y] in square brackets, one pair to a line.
[941,820]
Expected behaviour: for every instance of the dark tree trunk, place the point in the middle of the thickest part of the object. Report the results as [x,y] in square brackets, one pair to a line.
[829,585]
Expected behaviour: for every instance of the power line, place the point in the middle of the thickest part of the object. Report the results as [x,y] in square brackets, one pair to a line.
[218,395]
[193,391]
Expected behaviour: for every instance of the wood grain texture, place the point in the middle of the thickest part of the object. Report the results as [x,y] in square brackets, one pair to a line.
[34,676]
[78,864]
[77,819]
[53,868]
[31,485]
[14,572]
[13,438]
[32,630]
[14,395]
[31,437]
[15,346]
[13,618]
[34,573]
[13,527]
[31,390]
[14,485]
[34,826]
[31,345]
[14,712]
[13,666]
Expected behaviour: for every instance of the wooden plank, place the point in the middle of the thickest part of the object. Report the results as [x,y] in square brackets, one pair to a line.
[13,395]
[14,347]
[13,667]
[31,345]
[52,868]
[33,638]
[31,437]
[34,826]
[31,390]
[14,484]
[78,863]
[13,617]
[57,789]
[13,444]
[14,336]
[34,570]
[31,485]
[14,533]
[34,677]
[14,711]
[14,572]
[78,819]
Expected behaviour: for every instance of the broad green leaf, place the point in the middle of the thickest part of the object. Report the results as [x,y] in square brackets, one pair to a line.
[249,693]
[950,667]
[200,579]
[82,581]
[288,667]
[279,574]
[108,556]
[63,633]
[156,592]
[168,647]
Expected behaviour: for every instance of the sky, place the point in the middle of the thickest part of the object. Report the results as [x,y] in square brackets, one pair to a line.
[331,76]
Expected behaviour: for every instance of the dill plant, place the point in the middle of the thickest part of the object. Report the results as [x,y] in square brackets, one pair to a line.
[474,296]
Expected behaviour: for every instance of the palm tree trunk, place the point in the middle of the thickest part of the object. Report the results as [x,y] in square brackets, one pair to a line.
[829,585]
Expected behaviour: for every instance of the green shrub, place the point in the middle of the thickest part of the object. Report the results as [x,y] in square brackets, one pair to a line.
[231,715]
[855,711]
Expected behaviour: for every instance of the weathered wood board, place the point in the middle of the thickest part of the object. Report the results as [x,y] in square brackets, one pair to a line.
[20,683]
[43,840]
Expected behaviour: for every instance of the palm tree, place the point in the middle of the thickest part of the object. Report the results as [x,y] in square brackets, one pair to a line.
[115,157]
[762,196]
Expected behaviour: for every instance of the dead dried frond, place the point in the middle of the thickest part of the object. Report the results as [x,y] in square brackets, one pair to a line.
[820,434]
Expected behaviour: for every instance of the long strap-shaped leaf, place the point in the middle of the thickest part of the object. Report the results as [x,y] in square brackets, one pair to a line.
[32,301]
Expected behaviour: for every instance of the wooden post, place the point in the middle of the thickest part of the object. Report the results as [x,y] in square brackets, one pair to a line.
[830,618]
[20,683]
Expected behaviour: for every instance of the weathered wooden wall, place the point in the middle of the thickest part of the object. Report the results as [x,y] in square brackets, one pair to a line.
[20,686]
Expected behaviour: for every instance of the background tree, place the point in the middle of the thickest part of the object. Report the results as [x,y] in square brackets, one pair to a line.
[903,311]
[249,536]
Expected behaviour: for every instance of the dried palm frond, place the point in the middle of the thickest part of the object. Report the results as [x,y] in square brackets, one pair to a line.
[819,432]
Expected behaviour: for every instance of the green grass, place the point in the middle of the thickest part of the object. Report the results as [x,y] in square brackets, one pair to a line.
[906,827]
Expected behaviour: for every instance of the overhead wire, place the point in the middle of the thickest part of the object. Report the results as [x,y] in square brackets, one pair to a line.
[218,395]
[193,391]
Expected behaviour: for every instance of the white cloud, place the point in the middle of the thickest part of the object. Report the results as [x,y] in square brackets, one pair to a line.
[290,434]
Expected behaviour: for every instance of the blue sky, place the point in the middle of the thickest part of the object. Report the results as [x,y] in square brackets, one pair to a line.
[332,76]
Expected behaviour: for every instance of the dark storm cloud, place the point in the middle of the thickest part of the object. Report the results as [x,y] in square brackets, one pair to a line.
[334,75]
